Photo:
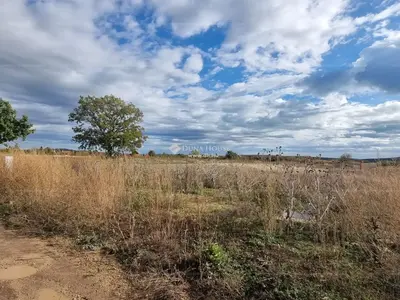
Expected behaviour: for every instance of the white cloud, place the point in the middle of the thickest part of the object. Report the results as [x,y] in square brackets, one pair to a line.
[53,51]
[271,34]
[391,11]
[376,69]
[194,63]
[265,83]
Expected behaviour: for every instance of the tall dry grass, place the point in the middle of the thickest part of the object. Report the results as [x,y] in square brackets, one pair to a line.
[159,215]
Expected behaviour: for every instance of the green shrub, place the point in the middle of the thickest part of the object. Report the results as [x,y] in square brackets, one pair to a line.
[216,257]
[231,155]
[345,157]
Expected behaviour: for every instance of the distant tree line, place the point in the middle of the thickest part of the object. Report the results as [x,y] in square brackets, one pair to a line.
[110,126]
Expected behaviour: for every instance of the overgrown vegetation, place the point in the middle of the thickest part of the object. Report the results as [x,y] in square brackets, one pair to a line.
[215,229]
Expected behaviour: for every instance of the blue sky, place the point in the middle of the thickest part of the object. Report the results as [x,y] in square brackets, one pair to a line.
[312,76]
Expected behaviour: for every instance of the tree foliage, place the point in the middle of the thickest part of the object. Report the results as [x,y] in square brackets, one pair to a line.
[231,155]
[151,153]
[345,157]
[12,128]
[195,152]
[107,123]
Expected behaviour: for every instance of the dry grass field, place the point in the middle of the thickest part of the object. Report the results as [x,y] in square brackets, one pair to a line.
[204,229]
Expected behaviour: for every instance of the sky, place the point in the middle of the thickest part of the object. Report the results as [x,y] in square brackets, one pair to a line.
[312,76]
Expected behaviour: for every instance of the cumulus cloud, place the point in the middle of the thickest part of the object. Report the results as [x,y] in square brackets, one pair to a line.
[51,52]
[333,122]
[378,68]
[194,63]
[269,34]
[393,10]
[379,65]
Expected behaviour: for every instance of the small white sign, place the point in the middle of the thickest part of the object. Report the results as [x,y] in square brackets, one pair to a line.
[8,162]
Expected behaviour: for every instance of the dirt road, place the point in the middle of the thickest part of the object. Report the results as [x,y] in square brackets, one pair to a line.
[36,269]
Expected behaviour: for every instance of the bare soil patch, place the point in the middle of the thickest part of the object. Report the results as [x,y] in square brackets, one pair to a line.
[33,268]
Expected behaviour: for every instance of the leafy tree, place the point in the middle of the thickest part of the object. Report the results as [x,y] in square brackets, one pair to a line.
[12,128]
[152,153]
[107,123]
[345,157]
[48,150]
[231,155]
[195,152]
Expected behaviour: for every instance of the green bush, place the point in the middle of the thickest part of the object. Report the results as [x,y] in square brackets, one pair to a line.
[231,155]
[216,257]
[345,157]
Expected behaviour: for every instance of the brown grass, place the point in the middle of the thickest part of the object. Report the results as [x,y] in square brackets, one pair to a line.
[159,217]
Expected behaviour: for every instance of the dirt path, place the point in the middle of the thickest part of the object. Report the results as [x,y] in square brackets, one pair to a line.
[36,269]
